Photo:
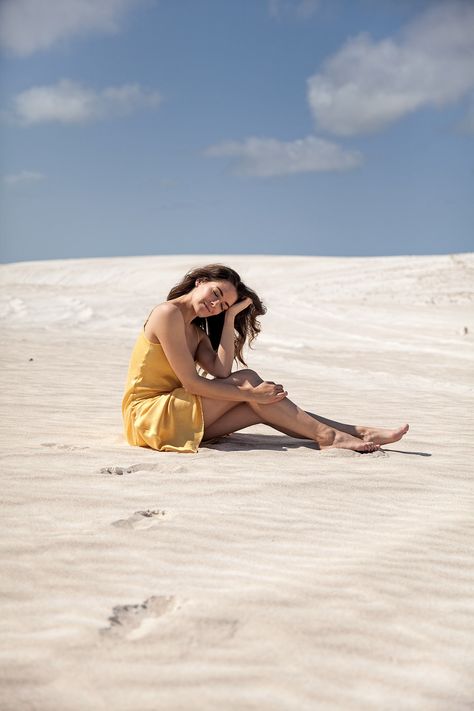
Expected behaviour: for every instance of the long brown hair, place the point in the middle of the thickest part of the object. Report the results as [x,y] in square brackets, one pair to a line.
[246,323]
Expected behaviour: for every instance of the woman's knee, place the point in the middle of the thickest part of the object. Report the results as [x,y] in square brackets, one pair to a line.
[246,375]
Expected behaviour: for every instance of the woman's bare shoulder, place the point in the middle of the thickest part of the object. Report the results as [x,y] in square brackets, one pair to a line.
[161,314]
[164,311]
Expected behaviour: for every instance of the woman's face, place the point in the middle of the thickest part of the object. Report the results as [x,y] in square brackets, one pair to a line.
[213,297]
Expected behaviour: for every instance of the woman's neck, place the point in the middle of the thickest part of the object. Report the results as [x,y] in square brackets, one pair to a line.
[185,305]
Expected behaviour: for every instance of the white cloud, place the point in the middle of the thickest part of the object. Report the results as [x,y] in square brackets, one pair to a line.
[265,157]
[300,8]
[27,26]
[367,84]
[69,102]
[25,176]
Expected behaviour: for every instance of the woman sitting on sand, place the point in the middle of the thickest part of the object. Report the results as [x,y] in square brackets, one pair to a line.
[206,320]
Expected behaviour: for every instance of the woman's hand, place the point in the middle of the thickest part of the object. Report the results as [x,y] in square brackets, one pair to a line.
[267,393]
[239,306]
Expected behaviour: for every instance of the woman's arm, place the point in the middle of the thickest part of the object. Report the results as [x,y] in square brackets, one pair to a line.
[225,352]
[170,331]
[220,364]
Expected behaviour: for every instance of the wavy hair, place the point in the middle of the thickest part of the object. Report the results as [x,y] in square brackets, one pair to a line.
[246,324]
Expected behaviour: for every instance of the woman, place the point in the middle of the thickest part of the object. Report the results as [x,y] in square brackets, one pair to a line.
[206,321]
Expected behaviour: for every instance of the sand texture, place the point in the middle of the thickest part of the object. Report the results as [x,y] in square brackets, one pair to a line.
[260,573]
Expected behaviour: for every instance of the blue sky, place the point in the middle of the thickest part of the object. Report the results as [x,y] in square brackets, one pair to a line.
[319,127]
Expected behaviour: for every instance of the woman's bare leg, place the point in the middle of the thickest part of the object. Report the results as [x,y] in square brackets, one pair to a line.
[236,418]
[283,415]
[377,435]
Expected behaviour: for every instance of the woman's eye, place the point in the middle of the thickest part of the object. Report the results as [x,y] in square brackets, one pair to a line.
[218,297]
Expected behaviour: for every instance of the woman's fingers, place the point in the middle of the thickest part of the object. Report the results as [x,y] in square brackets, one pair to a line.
[277,397]
[270,392]
[278,393]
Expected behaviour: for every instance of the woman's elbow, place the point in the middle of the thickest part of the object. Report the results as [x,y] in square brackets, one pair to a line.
[221,374]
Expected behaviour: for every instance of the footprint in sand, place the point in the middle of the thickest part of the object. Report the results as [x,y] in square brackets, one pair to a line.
[133,622]
[149,518]
[119,471]
[136,621]
[338,452]
[64,447]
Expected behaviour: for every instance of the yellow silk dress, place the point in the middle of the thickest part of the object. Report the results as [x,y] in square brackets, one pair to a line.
[157,411]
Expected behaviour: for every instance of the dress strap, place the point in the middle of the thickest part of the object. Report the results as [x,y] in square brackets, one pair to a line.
[148,318]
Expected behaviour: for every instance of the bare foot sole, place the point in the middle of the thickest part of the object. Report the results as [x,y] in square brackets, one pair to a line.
[346,441]
[380,436]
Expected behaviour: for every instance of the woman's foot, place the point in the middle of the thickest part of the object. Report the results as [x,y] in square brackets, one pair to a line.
[381,436]
[341,440]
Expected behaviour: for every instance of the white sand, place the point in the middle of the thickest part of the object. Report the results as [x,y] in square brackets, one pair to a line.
[271,576]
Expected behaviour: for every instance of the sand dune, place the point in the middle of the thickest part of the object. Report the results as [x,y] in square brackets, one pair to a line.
[259,573]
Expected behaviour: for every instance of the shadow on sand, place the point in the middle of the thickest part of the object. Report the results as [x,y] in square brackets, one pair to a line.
[276,443]
[249,442]
[402,451]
